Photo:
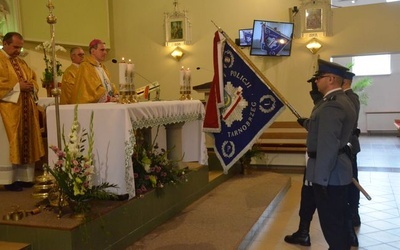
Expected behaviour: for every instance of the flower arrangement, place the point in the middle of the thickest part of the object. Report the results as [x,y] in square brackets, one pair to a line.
[48,78]
[73,171]
[152,168]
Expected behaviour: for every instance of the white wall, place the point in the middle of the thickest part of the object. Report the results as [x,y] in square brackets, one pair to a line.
[137,32]
[383,103]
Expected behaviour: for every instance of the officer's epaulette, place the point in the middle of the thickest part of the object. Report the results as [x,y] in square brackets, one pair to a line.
[331,98]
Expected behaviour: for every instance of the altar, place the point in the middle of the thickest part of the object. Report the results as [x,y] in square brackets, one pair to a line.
[114,125]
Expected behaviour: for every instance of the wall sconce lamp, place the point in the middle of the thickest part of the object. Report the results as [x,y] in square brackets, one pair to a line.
[177,53]
[314,45]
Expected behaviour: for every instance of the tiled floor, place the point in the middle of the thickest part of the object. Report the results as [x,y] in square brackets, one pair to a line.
[379,174]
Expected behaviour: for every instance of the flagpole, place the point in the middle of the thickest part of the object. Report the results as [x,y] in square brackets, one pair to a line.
[258,72]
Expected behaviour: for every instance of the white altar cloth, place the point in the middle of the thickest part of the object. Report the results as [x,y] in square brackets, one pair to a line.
[114,140]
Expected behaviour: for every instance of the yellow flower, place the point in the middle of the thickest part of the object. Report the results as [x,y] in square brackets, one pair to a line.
[153,180]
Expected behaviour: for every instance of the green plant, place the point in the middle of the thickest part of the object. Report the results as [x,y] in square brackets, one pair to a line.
[245,160]
[360,86]
[152,168]
[48,78]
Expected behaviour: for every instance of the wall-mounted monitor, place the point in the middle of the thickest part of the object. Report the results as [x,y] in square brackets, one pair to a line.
[245,36]
[271,38]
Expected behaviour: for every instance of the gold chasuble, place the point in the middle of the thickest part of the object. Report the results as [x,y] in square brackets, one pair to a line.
[20,115]
[68,82]
[91,82]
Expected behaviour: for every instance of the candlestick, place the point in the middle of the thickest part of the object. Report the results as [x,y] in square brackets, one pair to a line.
[131,74]
[188,79]
[182,83]
[182,76]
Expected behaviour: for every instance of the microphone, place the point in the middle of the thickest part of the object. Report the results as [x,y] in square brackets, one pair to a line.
[200,68]
[114,60]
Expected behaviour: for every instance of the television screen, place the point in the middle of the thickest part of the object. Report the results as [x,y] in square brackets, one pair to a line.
[245,36]
[271,38]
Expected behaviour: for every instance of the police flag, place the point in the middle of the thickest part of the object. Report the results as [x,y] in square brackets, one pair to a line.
[241,104]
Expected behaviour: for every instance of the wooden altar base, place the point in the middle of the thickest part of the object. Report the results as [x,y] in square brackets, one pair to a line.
[118,224]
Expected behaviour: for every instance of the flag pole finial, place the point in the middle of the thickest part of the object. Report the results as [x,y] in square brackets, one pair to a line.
[219,28]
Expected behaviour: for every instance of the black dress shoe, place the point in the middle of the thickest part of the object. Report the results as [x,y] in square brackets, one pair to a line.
[354,240]
[300,238]
[13,187]
[24,184]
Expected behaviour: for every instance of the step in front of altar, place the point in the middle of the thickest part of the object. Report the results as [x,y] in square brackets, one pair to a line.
[228,217]
[117,224]
[7,245]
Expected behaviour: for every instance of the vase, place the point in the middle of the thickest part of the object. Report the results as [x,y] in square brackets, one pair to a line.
[48,89]
[80,208]
[245,167]
[54,197]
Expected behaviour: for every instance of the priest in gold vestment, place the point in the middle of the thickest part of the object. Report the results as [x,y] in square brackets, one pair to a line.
[92,82]
[20,117]
[68,80]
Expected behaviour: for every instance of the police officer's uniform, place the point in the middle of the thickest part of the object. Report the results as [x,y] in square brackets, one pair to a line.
[328,167]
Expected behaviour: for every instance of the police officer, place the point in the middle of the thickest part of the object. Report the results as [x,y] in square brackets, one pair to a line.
[329,169]
[307,202]
[354,193]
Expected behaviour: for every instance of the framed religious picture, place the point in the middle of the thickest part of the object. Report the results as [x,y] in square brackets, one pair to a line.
[314,19]
[9,16]
[177,29]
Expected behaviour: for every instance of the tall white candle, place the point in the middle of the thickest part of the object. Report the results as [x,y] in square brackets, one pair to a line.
[122,71]
[188,75]
[182,76]
[130,68]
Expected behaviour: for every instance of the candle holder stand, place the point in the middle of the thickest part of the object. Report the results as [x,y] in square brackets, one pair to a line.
[186,93]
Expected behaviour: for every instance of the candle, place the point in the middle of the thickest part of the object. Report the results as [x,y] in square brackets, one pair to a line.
[122,71]
[130,68]
[182,76]
[188,75]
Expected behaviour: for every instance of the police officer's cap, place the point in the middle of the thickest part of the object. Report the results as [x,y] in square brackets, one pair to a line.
[349,75]
[332,68]
[314,77]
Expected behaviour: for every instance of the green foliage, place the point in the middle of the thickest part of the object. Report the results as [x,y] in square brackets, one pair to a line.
[253,152]
[152,168]
[359,88]
[47,48]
